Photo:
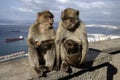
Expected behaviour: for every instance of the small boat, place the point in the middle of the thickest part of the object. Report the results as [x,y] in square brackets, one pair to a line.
[14,30]
[14,39]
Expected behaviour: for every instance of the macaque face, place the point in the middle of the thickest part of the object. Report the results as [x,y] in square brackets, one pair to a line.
[45,19]
[70,18]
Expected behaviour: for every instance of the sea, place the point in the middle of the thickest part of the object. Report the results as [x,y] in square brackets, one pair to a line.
[95,30]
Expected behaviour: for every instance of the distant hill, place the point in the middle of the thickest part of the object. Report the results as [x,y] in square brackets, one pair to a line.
[6,21]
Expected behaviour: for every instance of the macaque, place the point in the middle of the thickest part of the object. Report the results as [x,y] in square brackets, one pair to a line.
[41,46]
[71,40]
[71,46]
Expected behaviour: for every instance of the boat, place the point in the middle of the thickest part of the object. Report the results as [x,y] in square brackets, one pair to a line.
[14,31]
[14,39]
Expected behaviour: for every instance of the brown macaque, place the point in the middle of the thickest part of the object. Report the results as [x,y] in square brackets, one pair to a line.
[41,45]
[71,40]
[71,46]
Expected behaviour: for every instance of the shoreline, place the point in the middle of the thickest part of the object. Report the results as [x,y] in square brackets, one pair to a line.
[13,56]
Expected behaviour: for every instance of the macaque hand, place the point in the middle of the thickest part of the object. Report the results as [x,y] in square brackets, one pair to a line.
[37,43]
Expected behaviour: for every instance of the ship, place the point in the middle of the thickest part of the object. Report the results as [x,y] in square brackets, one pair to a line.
[14,31]
[14,39]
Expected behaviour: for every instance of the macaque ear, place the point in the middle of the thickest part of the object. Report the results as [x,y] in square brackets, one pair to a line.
[62,15]
[48,12]
[77,12]
[38,14]
[52,15]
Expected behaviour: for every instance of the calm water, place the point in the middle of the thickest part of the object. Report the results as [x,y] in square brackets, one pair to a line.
[9,48]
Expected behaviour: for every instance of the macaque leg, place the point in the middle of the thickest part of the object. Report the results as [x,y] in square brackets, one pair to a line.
[64,64]
[50,59]
[33,60]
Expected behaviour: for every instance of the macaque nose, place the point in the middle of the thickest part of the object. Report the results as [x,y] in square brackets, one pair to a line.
[50,21]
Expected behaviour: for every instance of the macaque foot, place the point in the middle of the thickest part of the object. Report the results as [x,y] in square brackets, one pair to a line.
[64,67]
[43,71]
[57,68]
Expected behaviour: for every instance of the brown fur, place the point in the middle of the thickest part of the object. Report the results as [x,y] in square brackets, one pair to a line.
[41,48]
[71,46]
[70,28]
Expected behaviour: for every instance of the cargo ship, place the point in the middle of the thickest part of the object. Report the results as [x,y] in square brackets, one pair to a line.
[14,31]
[14,39]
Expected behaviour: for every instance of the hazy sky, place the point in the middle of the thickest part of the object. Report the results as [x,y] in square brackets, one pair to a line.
[108,10]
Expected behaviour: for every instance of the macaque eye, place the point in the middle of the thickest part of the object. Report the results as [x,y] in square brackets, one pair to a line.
[46,17]
[65,18]
[71,19]
[68,18]
[50,17]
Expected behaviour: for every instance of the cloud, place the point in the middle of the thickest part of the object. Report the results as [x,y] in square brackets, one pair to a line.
[107,13]
[94,9]
[38,1]
[84,5]
[88,9]
[25,10]
[97,4]
[62,1]
[62,4]
[58,4]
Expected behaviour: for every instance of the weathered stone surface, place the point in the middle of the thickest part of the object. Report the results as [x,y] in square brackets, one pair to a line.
[15,70]
[107,45]
[95,58]
[97,74]
[114,68]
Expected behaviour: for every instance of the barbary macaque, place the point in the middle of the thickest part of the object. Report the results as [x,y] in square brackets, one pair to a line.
[71,40]
[71,46]
[41,46]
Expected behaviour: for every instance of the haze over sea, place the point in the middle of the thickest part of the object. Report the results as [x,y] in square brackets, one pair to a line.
[94,30]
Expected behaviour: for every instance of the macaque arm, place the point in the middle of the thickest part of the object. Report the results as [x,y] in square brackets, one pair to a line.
[30,40]
[60,33]
[54,34]
[84,44]
[59,37]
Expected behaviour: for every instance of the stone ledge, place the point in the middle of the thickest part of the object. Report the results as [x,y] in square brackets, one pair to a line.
[19,69]
[96,57]
[93,62]
[107,45]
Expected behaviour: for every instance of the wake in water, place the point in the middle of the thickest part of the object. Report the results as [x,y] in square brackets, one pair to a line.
[104,26]
[100,37]
[100,32]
